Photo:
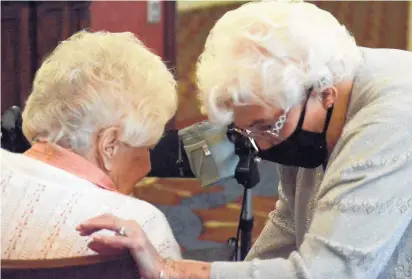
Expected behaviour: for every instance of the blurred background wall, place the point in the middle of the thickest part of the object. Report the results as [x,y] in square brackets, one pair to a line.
[120,16]
[383,24]
[32,29]
[410,27]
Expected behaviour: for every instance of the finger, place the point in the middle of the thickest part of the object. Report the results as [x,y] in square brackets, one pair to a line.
[114,242]
[106,221]
[106,250]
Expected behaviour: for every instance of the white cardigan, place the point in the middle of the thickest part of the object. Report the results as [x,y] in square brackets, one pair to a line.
[41,205]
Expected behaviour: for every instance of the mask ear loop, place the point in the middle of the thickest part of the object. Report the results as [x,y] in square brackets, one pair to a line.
[325,129]
[322,84]
[303,113]
[327,120]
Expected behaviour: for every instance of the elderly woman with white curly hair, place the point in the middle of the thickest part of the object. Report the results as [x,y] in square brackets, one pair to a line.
[99,102]
[336,118]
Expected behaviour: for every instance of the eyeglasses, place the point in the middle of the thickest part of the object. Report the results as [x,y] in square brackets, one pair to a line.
[273,131]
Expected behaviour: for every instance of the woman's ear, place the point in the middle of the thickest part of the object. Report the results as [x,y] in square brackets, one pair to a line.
[329,97]
[107,146]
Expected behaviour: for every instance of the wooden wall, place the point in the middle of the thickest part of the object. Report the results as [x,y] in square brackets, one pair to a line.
[29,31]
[410,26]
[377,24]
[380,24]
[131,16]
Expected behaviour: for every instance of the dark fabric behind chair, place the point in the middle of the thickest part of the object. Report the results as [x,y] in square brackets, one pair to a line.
[165,155]
[12,138]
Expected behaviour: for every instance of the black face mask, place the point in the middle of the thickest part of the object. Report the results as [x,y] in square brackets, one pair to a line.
[301,149]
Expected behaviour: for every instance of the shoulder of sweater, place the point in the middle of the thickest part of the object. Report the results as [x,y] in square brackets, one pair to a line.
[24,168]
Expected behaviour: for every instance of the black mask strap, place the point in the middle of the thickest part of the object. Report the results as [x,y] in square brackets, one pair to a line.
[327,120]
[325,128]
[302,114]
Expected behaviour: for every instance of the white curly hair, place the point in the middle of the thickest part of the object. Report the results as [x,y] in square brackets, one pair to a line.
[271,53]
[95,80]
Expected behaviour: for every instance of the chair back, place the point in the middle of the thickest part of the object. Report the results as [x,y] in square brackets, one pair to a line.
[87,267]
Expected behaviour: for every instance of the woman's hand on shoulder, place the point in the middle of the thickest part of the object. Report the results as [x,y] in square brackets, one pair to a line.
[129,236]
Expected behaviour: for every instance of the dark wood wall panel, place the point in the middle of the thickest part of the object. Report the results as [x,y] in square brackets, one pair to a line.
[57,21]
[52,27]
[30,31]
[15,53]
[10,57]
[79,16]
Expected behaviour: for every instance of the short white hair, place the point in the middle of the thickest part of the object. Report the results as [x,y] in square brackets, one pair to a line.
[271,53]
[95,80]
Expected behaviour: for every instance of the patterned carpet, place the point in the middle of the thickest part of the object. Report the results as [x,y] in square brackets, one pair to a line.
[205,218]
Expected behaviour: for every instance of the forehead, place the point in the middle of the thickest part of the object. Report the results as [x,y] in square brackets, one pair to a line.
[246,115]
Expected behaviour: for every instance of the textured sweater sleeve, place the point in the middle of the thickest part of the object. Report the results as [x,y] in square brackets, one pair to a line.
[362,211]
[278,236]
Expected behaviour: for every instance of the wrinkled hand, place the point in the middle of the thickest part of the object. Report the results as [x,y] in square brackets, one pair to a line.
[148,260]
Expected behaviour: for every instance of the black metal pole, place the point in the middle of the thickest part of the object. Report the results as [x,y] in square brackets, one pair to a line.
[246,225]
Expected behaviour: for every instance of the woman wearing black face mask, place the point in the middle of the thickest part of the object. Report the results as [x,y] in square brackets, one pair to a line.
[338,120]
[302,148]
